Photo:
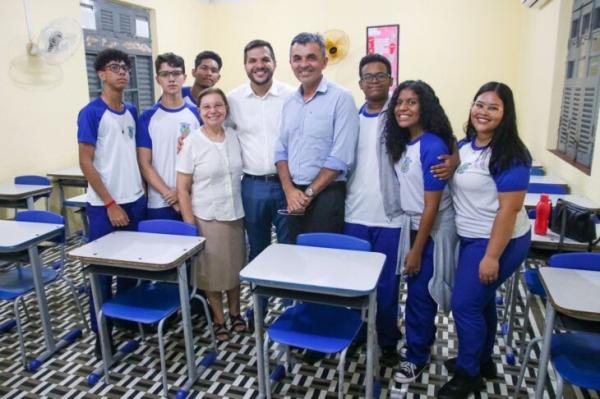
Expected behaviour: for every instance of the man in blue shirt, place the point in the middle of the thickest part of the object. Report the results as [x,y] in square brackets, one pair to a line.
[317,143]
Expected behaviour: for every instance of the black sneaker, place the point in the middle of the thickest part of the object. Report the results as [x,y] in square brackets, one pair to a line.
[460,386]
[389,356]
[487,370]
[408,372]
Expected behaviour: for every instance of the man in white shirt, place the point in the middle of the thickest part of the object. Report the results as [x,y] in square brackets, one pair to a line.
[255,113]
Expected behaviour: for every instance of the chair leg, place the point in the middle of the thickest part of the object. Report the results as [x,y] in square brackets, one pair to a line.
[101,329]
[77,301]
[161,349]
[25,308]
[560,385]
[20,332]
[341,367]
[524,364]
[525,326]
[209,322]
[266,366]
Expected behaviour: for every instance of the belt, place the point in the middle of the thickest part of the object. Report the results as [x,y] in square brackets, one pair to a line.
[271,178]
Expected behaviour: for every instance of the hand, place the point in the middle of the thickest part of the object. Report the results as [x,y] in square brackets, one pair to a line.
[117,216]
[170,196]
[412,263]
[445,170]
[488,270]
[180,141]
[297,201]
[177,208]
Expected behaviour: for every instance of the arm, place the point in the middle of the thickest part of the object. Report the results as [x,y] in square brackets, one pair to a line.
[412,263]
[445,170]
[153,178]
[504,224]
[296,200]
[184,187]
[116,214]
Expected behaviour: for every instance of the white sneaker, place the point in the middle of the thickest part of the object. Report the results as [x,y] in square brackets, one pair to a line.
[408,372]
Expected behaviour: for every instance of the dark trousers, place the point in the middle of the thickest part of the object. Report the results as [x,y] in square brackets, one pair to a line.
[325,214]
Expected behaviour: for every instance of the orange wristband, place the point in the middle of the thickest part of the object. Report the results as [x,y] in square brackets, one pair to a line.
[111,203]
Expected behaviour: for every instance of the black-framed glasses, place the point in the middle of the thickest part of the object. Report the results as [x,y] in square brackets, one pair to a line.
[375,77]
[175,74]
[116,68]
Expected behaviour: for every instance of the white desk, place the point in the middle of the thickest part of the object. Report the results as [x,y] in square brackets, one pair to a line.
[551,240]
[536,164]
[295,271]
[79,202]
[571,292]
[548,179]
[16,237]
[15,193]
[531,200]
[68,177]
[148,256]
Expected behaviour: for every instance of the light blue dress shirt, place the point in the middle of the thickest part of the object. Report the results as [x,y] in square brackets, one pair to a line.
[319,133]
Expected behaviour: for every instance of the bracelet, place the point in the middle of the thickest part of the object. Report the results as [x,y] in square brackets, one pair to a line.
[111,203]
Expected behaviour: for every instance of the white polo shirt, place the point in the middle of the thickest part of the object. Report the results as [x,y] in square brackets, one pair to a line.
[216,170]
[112,133]
[256,121]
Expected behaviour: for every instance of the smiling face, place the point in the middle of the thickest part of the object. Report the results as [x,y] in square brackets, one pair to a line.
[170,78]
[213,109]
[373,82]
[487,112]
[308,62]
[408,110]
[259,65]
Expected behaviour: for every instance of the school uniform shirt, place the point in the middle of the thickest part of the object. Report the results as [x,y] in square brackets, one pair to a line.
[216,170]
[364,203]
[413,170]
[112,133]
[475,192]
[186,91]
[158,130]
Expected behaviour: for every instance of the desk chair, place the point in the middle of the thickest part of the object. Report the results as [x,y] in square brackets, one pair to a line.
[574,355]
[546,188]
[16,283]
[153,302]
[321,328]
[35,180]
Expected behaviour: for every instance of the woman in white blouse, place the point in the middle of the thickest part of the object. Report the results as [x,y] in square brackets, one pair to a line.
[209,170]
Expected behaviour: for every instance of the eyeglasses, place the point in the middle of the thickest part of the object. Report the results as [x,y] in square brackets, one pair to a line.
[490,108]
[175,74]
[116,68]
[375,77]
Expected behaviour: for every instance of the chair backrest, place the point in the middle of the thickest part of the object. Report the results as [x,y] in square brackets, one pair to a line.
[333,240]
[32,180]
[42,217]
[531,213]
[576,260]
[537,172]
[167,226]
[539,188]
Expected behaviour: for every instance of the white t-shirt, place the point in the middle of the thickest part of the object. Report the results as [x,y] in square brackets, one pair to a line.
[256,121]
[158,130]
[475,192]
[413,170]
[216,170]
[364,204]
[112,133]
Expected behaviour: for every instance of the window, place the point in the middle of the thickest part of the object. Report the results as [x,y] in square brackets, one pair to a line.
[581,93]
[118,25]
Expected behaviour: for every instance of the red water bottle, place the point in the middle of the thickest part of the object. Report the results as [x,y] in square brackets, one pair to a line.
[542,215]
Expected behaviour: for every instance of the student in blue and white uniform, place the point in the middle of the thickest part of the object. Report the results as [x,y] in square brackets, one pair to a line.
[417,134]
[106,135]
[158,131]
[488,190]
[206,72]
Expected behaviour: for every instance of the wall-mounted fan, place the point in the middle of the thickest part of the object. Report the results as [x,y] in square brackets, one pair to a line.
[337,45]
[56,43]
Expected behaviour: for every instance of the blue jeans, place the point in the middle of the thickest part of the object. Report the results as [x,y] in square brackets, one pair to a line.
[100,226]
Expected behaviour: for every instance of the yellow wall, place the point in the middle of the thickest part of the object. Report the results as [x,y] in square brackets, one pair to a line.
[454,45]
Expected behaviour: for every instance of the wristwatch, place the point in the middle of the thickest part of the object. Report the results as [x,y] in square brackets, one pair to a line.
[309,192]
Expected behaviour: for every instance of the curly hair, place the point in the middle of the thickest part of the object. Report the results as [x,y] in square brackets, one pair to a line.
[432,118]
[108,55]
[506,146]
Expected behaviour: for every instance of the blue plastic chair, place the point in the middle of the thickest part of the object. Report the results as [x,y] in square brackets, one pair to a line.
[545,188]
[37,181]
[152,302]
[322,328]
[575,355]
[537,172]
[16,283]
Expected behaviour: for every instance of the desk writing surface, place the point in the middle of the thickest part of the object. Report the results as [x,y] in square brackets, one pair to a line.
[12,191]
[547,179]
[531,200]
[68,173]
[136,250]
[551,239]
[16,236]
[319,270]
[79,200]
[573,292]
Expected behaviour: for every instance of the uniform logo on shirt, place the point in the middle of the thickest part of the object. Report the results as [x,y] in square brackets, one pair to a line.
[130,131]
[405,165]
[463,167]
[184,128]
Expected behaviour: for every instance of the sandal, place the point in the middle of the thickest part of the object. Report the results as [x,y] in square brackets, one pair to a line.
[238,324]
[221,333]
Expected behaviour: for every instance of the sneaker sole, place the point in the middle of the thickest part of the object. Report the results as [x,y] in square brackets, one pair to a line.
[406,380]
